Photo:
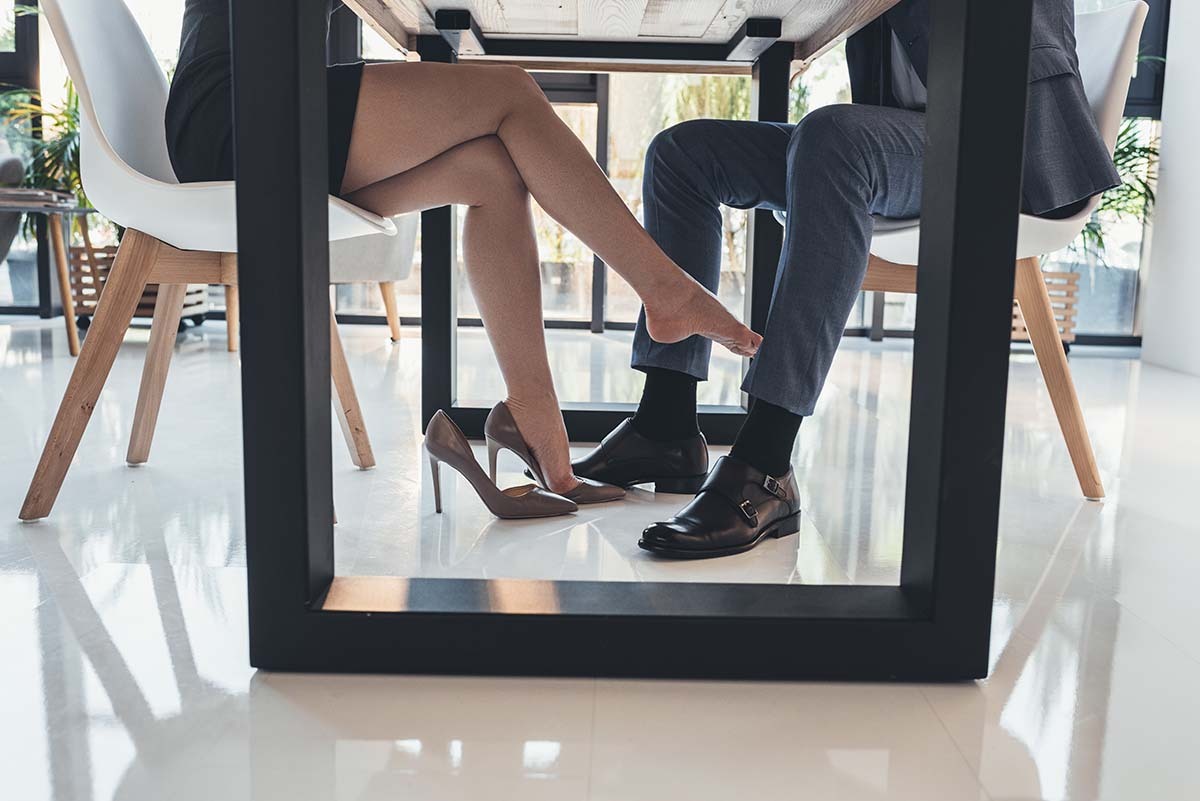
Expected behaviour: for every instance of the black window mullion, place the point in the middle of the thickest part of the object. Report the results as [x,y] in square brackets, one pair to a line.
[1146,88]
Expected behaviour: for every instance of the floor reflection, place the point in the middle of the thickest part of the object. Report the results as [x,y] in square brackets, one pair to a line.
[125,669]
[146,718]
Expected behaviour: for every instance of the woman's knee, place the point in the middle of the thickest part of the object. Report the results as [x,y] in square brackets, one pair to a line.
[518,87]
[488,167]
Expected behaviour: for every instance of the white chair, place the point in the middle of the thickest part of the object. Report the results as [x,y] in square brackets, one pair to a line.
[176,234]
[1107,43]
[373,259]
[378,259]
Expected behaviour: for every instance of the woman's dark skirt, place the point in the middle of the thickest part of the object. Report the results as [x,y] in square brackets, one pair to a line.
[199,125]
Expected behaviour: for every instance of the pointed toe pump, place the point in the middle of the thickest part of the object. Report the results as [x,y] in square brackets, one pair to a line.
[445,442]
[502,434]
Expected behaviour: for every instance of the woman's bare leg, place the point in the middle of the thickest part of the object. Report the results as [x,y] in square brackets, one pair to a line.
[410,113]
[500,250]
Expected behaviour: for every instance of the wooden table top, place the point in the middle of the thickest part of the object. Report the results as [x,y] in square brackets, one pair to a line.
[813,25]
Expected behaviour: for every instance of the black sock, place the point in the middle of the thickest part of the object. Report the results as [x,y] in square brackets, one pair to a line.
[767,438]
[668,407]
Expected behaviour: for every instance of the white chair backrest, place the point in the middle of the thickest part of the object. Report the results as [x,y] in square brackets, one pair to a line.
[1107,43]
[122,88]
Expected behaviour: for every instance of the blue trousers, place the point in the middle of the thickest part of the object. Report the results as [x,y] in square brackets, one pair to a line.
[834,170]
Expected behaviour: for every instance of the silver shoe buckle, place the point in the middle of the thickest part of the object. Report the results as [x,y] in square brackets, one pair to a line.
[749,511]
[772,486]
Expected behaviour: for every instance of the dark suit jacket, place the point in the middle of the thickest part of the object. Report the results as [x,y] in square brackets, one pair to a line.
[1066,159]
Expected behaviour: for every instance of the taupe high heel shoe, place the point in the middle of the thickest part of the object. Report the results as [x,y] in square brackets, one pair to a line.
[445,442]
[502,433]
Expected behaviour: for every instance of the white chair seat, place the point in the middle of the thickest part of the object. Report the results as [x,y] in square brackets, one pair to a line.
[899,241]
[376,258]
[195,216]
[203,216]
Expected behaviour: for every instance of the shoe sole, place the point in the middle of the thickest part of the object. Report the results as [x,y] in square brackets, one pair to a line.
[686,485]
[784,527]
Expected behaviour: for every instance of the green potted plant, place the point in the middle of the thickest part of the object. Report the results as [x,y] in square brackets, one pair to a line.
[47,141]
[51,139]
[1136,158]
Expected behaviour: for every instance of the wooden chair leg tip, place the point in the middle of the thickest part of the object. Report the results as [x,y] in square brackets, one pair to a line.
[29,514]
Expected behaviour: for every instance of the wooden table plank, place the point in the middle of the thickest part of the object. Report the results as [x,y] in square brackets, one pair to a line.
[814,25]
[735,12]
[816,33]
[687,19]
[611,19]
[393,20]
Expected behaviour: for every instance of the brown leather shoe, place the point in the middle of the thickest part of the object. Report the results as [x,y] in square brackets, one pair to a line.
[737,508]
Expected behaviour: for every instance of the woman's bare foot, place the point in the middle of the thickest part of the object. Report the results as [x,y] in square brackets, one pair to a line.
[541,425]
[688,309]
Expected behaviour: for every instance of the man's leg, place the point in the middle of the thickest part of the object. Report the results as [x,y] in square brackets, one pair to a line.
[692,169]
[845,164]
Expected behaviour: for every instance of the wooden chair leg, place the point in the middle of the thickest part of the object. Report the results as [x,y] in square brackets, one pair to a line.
[119,301]
[1034,300]
[233,313]
[58,242]
[345,401]
[388,290]
[168,308]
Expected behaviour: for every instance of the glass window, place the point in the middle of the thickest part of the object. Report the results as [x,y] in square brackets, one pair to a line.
[564,262]
[18,252]
[18,271]
[640,106]
[8,27]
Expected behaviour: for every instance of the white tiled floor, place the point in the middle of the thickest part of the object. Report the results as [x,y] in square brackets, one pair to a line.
[123,665]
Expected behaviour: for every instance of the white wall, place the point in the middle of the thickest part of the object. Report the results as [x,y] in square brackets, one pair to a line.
[1171,311]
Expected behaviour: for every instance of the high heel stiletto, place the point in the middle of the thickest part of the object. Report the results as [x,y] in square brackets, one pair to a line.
[502,433]
[445,442]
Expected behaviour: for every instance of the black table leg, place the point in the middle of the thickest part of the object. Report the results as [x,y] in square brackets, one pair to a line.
[439,300]
[978,68]
[283,255]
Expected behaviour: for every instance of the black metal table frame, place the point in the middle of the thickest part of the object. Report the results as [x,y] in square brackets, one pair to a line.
[935,625]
